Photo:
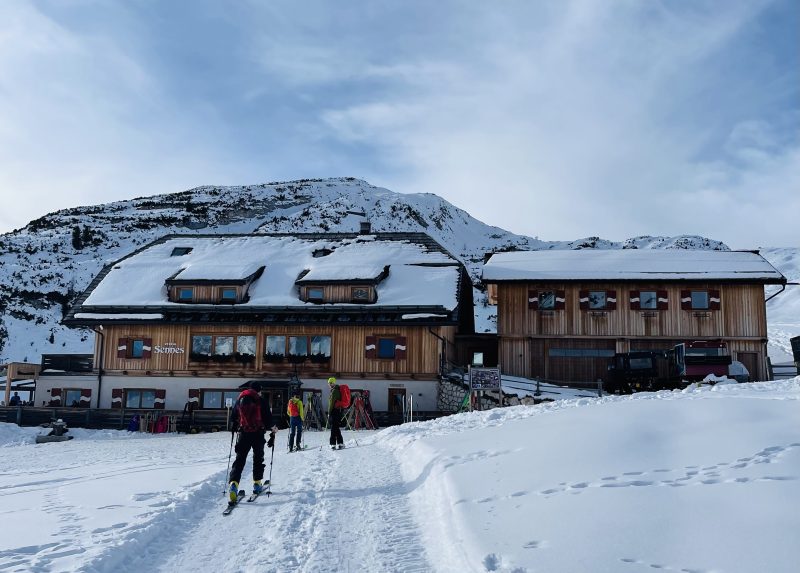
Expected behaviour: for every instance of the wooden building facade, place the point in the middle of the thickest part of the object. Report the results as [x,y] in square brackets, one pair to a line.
[181,342]
[562,315]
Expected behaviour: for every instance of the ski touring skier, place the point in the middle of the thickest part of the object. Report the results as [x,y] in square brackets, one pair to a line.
[296,417]
[335,414]
[251,418]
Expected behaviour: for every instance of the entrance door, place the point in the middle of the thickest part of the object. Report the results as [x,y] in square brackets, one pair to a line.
[750,361]
[397,397]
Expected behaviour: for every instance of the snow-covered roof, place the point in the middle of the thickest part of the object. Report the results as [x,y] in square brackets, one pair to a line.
[209,270]
[630,264]
[421,272]
[328,270]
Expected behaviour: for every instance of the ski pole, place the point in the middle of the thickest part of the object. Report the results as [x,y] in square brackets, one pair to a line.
[228,471]
[269,483]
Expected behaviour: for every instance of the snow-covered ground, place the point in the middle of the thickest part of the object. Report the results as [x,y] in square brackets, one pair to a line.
[701,480]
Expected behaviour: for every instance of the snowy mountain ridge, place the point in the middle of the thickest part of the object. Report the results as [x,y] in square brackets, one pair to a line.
[48,263]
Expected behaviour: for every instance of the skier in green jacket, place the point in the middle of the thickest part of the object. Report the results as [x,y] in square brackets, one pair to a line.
[335,414]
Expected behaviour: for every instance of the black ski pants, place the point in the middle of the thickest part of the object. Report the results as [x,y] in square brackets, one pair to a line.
[336,421]
[246,441]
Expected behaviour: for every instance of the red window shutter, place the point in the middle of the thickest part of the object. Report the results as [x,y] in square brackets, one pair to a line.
[122,348]
[371,347]
[636,301]
[584,299]
[161,396]
[663,300]
[400,348]
[116,398]
[147,347]
[686,300]
[194,399]
[533,300]
[611,300]
[561,300]
[713,299]
[86,397]
[55,397]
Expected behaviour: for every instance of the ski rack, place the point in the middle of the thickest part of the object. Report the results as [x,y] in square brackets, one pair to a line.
[315,414]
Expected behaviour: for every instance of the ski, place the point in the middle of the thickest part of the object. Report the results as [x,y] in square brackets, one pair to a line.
[232,504]
[254,495]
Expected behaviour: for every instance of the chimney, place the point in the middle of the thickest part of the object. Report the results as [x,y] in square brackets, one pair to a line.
[366,228]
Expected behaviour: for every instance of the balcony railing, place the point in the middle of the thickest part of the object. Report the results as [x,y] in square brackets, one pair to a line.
[67,363]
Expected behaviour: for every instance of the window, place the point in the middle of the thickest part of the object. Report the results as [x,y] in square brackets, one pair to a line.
[298,348]
[136,348]
[648,300]
[140,398]
[228,294]
[216,399]
[223,348]
[275,349]
[547,300]
[320,348]
[185,294]
[699,300]
[316,294]
[359,294]
[386,347]
[180,251]
[72,397]
[641,363]
[597,299]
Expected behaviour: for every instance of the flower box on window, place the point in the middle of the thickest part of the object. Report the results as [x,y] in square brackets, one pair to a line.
[274,358]
[219,358]
[245,358]
[297,358]
[199,357]
[319,358]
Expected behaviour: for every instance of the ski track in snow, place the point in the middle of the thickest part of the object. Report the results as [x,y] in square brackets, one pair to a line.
[319,499]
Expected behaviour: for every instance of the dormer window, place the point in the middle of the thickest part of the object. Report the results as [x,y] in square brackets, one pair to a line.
[315,294]
[180,251]
[228,294]
[185,294]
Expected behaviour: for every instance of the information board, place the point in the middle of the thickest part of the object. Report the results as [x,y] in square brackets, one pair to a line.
[484,378]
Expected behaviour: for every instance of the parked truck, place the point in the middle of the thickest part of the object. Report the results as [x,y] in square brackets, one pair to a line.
[650,370]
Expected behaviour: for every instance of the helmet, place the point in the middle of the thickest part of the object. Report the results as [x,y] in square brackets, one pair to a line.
[331,381]
[255,385]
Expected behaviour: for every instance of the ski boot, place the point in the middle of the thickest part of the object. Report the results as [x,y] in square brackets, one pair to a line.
[233,492]
[341,446]
[258,487]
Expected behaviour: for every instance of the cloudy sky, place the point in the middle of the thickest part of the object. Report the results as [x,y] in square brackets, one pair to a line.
[557,119]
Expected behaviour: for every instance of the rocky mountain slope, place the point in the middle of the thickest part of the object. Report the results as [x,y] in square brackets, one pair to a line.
[48,263]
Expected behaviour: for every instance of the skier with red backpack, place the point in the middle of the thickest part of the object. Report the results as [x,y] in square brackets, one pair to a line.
[251,418]
[337,403]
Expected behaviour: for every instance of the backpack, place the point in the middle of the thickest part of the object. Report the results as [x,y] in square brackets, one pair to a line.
[294,411]
[344,396]
[249,405]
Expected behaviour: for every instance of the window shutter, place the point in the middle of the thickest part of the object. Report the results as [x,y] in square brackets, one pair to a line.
[371,347]
[122,348]
[636,301]
[116,398]
[713,299]
[663,300]
[55,397]
[611,300]
[147,348]
[194,399]
[584,299]
[686,300]
[533,300]
[160,398]
[561,300]
[86,397]
[400,348]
